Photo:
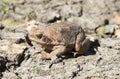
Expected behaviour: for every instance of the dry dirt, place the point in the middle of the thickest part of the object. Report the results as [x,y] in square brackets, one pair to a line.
[20,58]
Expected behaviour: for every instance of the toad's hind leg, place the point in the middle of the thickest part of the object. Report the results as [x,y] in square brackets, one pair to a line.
[84,47]
[82,43]
[57,51]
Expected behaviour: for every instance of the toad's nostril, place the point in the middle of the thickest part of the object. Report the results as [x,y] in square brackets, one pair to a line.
[39,36]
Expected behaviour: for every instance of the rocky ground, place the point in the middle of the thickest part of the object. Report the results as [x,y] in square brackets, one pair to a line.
[20,58]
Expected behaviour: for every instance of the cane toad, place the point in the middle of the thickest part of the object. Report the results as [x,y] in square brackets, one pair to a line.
[59,38]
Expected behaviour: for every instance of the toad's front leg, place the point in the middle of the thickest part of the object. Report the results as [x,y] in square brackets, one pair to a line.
[56,52]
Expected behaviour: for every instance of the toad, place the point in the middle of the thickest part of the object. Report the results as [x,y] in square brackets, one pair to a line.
[59,38]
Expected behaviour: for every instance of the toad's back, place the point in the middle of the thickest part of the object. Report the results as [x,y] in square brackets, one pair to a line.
[62,33]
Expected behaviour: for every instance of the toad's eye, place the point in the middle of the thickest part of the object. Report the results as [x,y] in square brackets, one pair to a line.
[46,39]
[39,36]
